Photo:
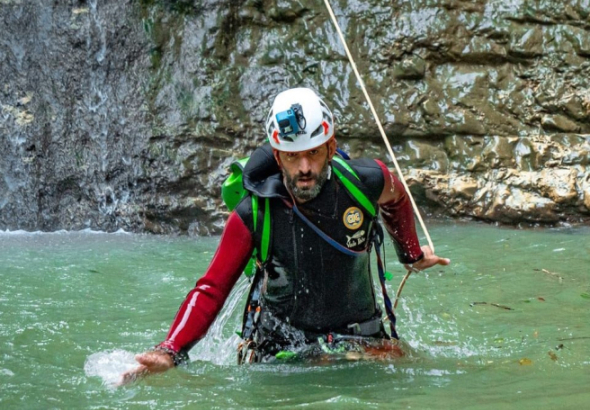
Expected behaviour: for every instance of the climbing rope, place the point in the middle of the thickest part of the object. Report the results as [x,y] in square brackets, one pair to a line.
[390,151]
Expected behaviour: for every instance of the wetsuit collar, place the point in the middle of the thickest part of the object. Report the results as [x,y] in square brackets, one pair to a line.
[262,175]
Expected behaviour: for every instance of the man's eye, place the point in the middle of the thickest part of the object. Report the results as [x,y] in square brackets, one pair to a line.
[313,152]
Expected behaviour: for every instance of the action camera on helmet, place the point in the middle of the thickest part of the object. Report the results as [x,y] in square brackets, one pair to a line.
[291,121]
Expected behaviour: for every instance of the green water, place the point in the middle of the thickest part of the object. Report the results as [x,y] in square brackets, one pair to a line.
[74,307]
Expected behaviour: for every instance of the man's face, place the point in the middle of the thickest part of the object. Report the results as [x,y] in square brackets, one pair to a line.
[305,172]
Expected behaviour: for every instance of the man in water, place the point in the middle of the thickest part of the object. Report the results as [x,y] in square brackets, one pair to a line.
[310,220]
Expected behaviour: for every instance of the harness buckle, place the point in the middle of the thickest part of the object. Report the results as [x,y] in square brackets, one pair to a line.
[368,328]
[356,328]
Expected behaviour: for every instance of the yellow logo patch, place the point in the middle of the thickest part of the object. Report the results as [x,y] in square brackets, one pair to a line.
[353,218]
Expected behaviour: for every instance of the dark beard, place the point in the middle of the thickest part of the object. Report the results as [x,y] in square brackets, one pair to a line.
[307,194]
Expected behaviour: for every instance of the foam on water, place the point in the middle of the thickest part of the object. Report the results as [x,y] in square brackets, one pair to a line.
[20,232]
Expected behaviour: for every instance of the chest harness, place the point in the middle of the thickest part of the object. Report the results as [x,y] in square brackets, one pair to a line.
[255,268]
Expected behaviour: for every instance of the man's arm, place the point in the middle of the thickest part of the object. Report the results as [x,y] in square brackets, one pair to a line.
[398,217]
[202,304]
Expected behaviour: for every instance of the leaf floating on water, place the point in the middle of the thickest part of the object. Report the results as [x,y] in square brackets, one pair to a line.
[525,361]
[558,276]
[575,338]
[536,334]
[585,295]
[541,299]
[559,346]
[502,306]
[552,355]
[491,304]
[444,343]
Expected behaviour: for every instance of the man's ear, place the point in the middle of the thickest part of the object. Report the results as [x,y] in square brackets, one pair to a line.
[275,152]
[332,148]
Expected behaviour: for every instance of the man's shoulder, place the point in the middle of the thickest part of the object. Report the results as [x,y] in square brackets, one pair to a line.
[245,211]
[365,165]
[370,174]
[252,205]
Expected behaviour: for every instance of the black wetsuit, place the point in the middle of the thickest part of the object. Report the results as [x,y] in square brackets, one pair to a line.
[308,284]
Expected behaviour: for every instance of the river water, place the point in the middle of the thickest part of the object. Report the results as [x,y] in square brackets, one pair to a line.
[507,325]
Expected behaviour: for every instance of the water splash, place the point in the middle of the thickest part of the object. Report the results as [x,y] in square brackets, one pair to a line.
[109,365]
[219,346]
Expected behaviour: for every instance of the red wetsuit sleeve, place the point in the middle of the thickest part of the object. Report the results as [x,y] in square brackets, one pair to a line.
[398,217]
[205,300]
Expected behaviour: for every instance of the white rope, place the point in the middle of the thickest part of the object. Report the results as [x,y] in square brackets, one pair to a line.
[397,167]
[362,84]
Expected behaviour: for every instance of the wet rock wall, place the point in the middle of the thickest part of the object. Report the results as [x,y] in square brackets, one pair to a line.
[126,114]
[73,121]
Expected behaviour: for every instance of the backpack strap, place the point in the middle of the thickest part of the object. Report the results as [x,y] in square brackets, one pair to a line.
[247,349]
[353,184]
[378,241]
[262,252]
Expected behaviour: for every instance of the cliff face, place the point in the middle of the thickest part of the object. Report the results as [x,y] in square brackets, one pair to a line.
[126,114]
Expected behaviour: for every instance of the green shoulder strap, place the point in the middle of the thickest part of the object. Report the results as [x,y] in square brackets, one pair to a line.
[261,253]
[351,187]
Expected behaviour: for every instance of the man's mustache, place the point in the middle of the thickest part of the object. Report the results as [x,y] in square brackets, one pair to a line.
[307,175]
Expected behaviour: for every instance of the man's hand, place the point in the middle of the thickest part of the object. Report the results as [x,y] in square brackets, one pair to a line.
[429,260]
[149,363]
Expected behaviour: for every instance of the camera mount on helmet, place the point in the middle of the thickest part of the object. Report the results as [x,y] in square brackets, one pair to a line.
[292,121]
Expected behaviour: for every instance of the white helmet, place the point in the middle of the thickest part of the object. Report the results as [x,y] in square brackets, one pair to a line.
[298,121]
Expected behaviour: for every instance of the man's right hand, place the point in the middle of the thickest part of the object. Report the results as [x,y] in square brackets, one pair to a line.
[429,260]
[149,363]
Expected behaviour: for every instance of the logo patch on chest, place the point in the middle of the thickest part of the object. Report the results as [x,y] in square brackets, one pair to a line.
[353,218]
[356,239]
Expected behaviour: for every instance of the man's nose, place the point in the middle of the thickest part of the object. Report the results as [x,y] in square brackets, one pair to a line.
[304,165]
